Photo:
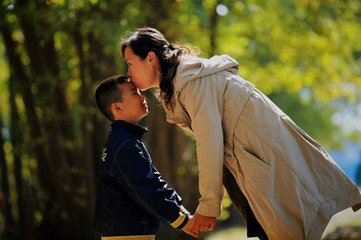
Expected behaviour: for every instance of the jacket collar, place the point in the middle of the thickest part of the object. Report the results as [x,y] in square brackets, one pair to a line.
[136,130]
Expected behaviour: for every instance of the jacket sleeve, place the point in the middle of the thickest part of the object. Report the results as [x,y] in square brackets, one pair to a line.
[200,99]
[135,173]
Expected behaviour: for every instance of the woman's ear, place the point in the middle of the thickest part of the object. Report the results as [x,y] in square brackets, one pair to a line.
[153,60]
[151,56]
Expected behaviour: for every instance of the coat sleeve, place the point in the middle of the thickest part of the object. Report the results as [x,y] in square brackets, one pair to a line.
[135,173]
[202,102]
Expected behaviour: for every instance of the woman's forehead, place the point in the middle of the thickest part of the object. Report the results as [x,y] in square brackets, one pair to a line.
[128,53]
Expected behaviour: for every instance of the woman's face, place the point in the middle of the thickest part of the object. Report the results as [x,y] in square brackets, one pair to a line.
[144,73]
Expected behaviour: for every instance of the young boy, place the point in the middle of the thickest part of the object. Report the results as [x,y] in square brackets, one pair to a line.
[131,196]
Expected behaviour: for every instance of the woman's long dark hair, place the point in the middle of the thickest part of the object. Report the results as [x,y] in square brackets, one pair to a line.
[148,39]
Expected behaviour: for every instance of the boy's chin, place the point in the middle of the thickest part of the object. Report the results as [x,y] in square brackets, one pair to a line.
[144,115]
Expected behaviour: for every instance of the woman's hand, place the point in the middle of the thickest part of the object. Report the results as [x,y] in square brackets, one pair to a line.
[188,228]
[203,223]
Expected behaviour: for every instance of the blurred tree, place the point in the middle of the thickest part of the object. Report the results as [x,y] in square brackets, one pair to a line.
[39,77]
[5,203]
[294,46]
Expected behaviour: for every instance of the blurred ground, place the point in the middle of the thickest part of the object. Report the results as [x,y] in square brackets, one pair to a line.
[345,225]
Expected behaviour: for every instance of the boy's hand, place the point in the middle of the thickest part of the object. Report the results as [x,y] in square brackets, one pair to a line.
[188,228]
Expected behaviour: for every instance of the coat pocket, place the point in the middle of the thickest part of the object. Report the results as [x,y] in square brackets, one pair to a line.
[257,172]
[256,157]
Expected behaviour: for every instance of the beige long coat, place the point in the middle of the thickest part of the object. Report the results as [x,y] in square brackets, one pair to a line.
[291,183]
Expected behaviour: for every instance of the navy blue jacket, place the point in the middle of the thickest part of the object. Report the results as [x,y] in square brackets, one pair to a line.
[131,197]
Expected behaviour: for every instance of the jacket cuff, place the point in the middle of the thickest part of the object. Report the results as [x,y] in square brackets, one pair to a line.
[182,220]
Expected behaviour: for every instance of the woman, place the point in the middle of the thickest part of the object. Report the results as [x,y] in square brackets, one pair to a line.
[280,179]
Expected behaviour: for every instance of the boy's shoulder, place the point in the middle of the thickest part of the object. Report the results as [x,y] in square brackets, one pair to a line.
[118,139]
[124,137]
[118,136]
[123,132]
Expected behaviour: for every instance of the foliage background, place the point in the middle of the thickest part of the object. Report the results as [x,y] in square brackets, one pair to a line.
[304,54]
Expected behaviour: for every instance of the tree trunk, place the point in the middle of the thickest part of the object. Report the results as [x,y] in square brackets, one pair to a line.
[17,143]
[18,83]
[61,214]
[5,204]
[213,28]
[25,89]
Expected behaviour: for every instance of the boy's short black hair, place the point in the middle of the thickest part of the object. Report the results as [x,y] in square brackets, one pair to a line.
[107,93]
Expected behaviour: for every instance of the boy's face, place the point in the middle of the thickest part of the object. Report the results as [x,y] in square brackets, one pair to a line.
[134,106]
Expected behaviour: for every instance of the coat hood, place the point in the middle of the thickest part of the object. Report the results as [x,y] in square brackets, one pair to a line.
[192,68]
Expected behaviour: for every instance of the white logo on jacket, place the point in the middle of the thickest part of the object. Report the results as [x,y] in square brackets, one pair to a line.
[104,155]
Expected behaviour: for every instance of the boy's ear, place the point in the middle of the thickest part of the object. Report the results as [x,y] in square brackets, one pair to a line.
[116,107]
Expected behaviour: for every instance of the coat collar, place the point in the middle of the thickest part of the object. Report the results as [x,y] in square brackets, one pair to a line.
[136,130]
[192,67]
